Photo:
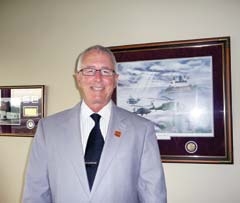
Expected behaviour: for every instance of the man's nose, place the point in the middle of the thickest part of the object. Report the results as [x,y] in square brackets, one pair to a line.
[98,74]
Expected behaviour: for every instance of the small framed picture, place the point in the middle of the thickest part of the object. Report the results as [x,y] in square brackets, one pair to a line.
[21,107]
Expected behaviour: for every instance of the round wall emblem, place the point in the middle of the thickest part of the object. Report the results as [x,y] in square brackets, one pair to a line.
[191,147]
[30,124]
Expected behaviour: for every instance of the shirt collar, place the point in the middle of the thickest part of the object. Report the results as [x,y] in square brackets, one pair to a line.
[104,112]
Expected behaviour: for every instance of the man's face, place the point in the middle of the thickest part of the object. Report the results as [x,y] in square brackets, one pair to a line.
[96,90]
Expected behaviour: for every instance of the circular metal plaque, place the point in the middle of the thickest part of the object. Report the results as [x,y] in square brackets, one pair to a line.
[30,124]
[191,147]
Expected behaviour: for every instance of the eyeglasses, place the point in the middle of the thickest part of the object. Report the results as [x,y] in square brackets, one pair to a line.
[91,71]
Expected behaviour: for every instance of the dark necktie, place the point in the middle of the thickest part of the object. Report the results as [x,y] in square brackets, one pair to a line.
[93,150]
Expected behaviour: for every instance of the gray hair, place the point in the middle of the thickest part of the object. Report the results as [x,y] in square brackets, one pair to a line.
[98,48]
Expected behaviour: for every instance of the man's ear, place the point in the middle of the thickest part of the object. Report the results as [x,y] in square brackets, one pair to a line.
[75,78]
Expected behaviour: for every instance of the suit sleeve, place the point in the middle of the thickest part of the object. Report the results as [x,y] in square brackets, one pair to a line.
[36,188]
[151,184]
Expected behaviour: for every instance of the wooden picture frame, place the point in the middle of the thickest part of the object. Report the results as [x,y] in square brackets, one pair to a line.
[21,107]
[184,87]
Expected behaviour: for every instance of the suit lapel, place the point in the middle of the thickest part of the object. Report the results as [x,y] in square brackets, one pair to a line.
[73,151]
[111,146]
[72,147]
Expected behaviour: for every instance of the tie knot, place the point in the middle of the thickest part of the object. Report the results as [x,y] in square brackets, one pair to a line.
[96,117]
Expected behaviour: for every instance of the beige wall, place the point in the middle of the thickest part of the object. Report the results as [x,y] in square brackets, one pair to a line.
[40,40]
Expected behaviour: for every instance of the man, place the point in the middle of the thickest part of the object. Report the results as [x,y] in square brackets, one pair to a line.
[129,169]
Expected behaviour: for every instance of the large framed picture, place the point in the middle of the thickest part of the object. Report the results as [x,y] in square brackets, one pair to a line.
[184,87]
[21,107]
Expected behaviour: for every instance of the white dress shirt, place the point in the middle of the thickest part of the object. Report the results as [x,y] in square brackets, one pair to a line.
[87,123]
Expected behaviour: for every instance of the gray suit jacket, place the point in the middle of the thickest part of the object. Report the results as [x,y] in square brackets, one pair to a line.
[129,171]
